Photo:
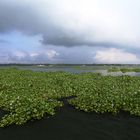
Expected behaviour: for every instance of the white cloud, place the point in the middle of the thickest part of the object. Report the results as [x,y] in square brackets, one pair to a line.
[94,20]
[34,54]
[51,54]
[114,55]
[45,55]
[20,54]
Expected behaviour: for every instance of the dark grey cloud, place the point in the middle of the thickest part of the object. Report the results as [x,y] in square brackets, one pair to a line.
[61,23]
[64,40]
[80,31]
[17,17]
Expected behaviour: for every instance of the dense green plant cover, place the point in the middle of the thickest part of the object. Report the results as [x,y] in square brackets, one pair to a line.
[114,69]
[27,95]
[124,70]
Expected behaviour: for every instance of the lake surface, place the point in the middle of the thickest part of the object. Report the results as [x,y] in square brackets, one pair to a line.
[76,69]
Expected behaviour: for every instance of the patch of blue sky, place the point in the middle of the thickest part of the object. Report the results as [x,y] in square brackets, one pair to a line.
[20,41]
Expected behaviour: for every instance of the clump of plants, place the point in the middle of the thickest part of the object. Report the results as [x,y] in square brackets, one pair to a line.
[26,95]
[124,70]
[114,69]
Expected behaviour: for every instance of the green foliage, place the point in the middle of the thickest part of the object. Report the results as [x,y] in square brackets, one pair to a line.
[130,70]
[27,95]
[113,69]
[124,70]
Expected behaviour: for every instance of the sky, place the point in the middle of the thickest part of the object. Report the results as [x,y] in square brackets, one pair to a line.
[70,31]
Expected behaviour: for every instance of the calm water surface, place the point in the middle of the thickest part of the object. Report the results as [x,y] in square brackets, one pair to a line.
[75,69]
[71,124]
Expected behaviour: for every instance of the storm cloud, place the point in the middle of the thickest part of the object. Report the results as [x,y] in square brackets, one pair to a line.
[93,26]
[74,23]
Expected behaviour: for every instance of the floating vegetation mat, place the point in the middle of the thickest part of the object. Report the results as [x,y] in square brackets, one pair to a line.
[123,70]
[26,95]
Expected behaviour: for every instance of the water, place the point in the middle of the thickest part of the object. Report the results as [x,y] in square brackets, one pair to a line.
[71,124]
[75,69]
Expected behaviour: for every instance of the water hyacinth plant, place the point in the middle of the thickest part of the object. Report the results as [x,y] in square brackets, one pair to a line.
[123,70]
[26,95]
